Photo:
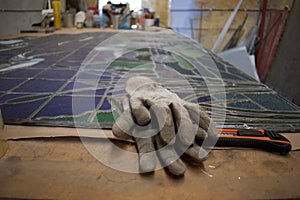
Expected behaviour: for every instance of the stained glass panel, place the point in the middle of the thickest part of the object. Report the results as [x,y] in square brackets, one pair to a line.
[59,80]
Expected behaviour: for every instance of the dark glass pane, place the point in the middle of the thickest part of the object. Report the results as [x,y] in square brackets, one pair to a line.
[7,84]
[40,86]
[68,106]
[271,101]
[57,74]
[20,111]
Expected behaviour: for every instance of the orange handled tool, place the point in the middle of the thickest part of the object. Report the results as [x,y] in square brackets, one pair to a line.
[262,139]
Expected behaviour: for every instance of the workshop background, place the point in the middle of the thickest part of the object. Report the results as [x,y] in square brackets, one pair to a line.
[20,15]
[58,166]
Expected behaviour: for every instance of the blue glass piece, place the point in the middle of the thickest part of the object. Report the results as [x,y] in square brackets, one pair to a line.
[84,75]
[18,112]
[207,62]
[116,78]
[108,74]
[9,97]
[43,65]
[44,86]
[27,98]
[228,76]
[95,67]
[106,53]
[178,68]
[21,73]
[203,72]
[7,84]
[244,105]
[183,94]
[271,102]
[76,57]
[220,66]
[105,78]
[117,92]
[66,65]
[68,106]
[21,98]
[105,105]
[75,87]
[229,97]
[130,55]
[98,92]
[57,74]
[239,73]
[204,99]
[198,79]
[54,57]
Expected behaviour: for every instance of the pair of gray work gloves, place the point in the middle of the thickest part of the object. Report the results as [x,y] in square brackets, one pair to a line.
[162,125]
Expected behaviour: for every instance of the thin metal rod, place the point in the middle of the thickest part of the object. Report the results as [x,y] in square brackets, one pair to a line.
[226,27]
[49,4]
[261,34]
[224,10]
[1,10]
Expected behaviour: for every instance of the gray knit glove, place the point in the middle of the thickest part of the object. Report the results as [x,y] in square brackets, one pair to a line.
[162,125]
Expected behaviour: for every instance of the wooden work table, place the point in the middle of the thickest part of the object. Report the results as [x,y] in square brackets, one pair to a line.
[61,168]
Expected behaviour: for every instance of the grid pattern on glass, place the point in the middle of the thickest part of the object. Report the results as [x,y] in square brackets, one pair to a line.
[37,81]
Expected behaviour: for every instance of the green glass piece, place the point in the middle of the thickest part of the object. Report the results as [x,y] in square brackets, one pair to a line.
[82,118]
[104,117]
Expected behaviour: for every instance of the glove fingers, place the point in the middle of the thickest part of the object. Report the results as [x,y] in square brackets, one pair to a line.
[123,125]
[212,137]
[201,134]
[163,123]
[195,154]
[139,111]
[147,154]
[185,130]
[169,158]
[198,115]
[206,130]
